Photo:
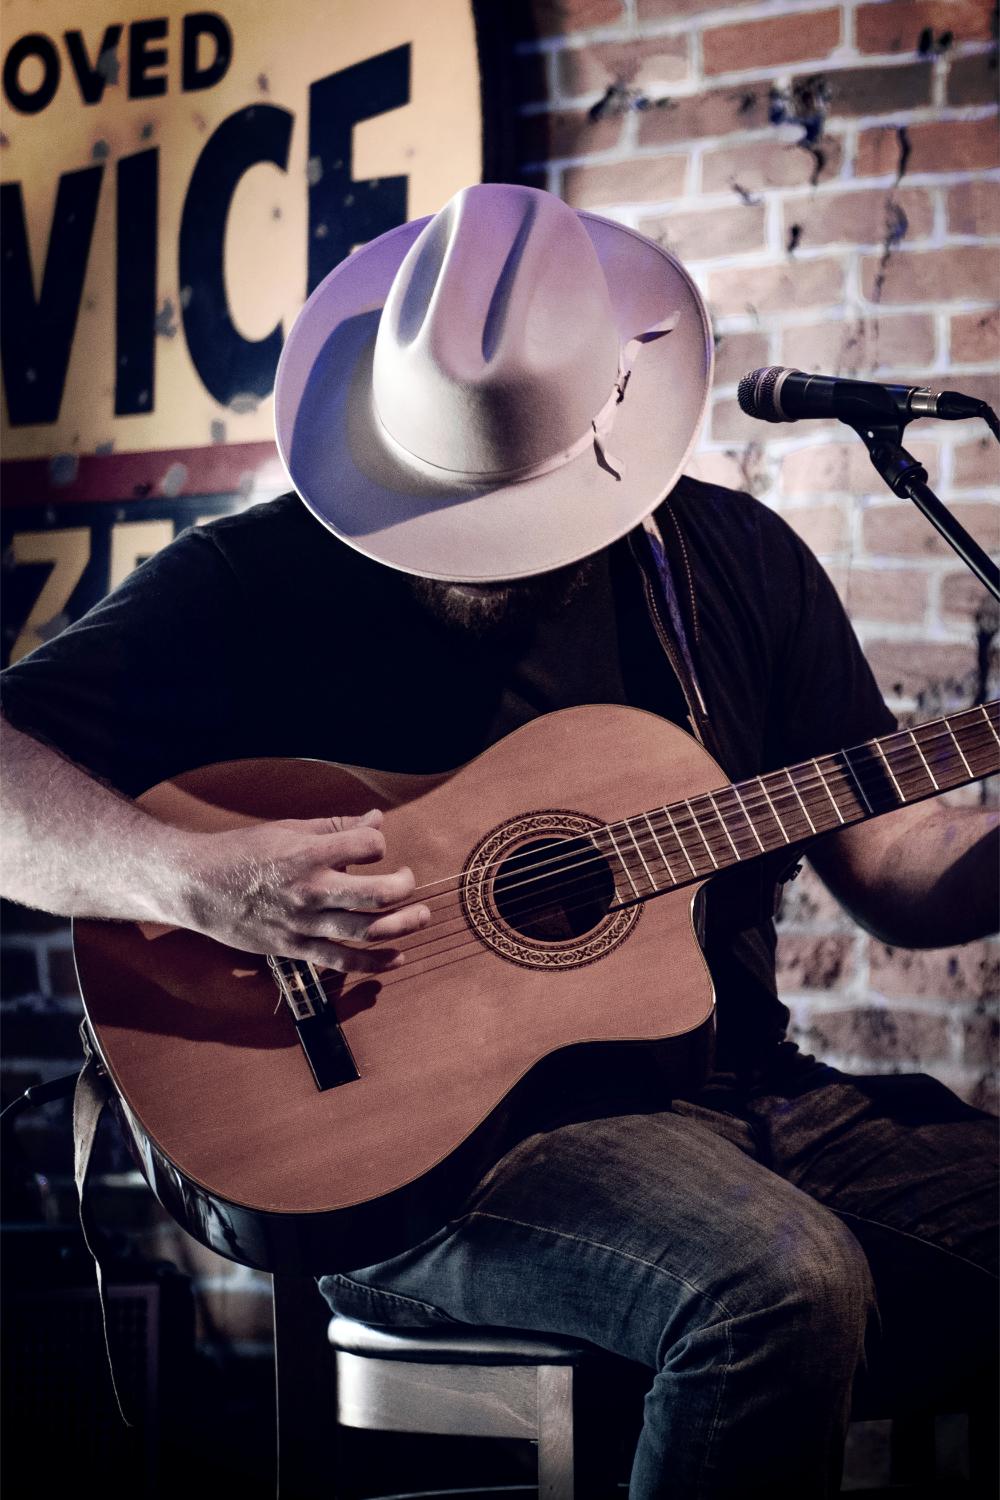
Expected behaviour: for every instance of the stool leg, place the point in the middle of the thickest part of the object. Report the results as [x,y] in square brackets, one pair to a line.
[556,1433]
[305,1392]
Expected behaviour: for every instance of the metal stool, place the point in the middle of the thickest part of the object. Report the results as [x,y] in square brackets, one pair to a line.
[478,1382]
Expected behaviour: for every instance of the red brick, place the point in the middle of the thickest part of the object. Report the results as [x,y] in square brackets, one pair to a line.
[709,233]
[646,179]
[806,899]
[895,594]
[975,336]
[671,10]
[861,348]
[906,669]
[823,528]
[712,112]
[896,1035]
[982,1093]
[862,217]
[974,208]
[770,43]
[959,273]
[937,146]
[844,467]
[970,972]
[980,1035]
[736,353]
[559,17]
[806,962]
[775,162]
[878,90]
[901,530]
[793,283]
[633,64]
[973,80]
[976,464]
[565,133]
[729,423]
[963,597]
[896,27]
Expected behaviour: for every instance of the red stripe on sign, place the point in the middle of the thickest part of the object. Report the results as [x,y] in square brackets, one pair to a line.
[170,472]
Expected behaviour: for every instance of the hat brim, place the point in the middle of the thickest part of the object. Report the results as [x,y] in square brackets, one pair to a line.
[344,469]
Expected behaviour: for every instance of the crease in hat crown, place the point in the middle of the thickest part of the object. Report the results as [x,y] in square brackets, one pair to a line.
[497,345]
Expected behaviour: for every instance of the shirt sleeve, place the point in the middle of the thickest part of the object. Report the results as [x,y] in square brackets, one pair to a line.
[152,680]
[825,697]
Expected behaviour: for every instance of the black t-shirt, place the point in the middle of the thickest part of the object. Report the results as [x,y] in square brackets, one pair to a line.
[261,634]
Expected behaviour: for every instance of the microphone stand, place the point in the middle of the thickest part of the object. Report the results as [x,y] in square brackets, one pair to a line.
[908,479]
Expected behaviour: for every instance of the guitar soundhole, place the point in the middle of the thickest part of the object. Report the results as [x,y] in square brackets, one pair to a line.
[553,894]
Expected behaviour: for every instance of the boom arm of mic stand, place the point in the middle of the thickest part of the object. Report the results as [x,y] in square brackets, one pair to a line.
[908,479]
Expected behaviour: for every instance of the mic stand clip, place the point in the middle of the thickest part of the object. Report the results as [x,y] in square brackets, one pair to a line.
[907,478]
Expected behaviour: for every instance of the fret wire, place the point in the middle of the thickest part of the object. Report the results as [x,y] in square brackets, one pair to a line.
[857,783]
[982,707]
[694,816]
[628,825]
[826,789]
[885,760]
[795,789]
[680,842]
[659,849]
[923,760]
[625,867]
[750,821]
[763,786]
[725,827]
[958,747]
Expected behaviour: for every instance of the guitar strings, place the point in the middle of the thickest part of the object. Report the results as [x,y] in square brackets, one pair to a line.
[521,910]
[753,802]
[436,952]
[601,858]
[685,823]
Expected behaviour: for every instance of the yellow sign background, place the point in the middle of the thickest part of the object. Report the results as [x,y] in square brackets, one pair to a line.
[435,141]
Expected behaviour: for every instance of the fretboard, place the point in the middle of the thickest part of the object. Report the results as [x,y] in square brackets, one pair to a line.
[686,841]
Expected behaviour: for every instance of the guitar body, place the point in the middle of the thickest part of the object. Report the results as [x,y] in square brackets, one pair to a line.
[490,1022]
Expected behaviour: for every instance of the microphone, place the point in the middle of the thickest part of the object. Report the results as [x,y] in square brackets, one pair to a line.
[778,394]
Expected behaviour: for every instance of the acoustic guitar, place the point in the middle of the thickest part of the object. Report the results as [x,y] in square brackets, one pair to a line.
[295,1120]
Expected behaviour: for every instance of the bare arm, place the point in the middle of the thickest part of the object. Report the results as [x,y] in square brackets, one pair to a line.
[925,876]
[74,846]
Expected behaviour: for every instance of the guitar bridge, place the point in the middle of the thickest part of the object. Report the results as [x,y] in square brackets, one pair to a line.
[330,1059]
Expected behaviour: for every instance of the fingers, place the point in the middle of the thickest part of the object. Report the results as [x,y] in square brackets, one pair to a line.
[346,960]
[358,927]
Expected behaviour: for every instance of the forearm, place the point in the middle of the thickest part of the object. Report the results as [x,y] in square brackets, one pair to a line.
[926,878]
[73,846]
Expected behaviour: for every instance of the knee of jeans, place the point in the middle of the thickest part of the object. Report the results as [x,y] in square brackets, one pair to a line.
[822,1282]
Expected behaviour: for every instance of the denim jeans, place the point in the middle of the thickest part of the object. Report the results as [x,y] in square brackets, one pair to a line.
[769,1249]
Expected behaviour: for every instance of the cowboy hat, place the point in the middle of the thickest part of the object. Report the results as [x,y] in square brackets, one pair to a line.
[496,391]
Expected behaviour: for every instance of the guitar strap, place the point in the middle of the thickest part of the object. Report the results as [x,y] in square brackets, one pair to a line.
[91,1095]
[652,553]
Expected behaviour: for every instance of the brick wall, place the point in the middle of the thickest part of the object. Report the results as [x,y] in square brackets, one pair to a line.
[829,174]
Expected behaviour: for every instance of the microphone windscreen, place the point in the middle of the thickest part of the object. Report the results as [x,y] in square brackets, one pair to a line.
[755,393]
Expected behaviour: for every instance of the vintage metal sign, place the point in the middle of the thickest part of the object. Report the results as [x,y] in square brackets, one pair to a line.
[174,186]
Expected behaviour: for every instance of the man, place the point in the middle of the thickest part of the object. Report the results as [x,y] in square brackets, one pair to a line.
[488,409]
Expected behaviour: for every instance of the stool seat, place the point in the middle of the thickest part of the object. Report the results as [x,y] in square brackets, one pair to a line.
[463,1380]
[455,1344]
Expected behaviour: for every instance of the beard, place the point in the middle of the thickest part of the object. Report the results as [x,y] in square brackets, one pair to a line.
[500,611]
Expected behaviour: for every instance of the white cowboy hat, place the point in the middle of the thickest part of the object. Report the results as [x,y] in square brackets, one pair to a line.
[496,391]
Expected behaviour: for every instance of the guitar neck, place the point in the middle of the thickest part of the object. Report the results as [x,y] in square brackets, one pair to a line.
[689,840]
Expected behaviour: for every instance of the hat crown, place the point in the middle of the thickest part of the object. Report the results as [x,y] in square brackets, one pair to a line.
[498,344]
